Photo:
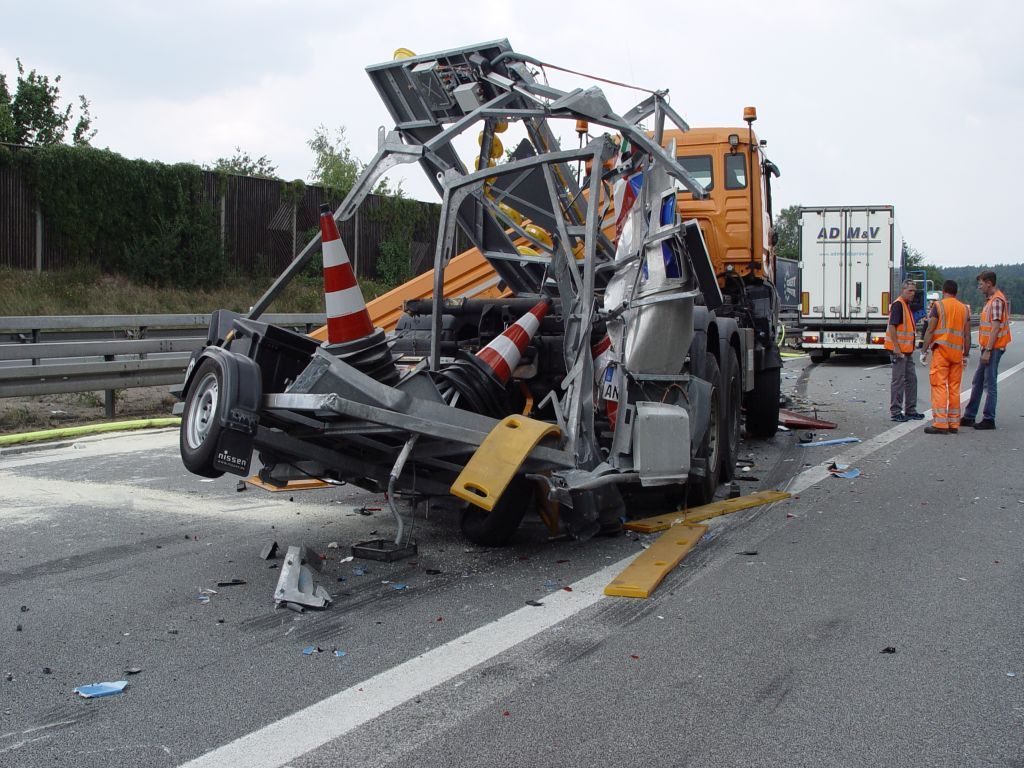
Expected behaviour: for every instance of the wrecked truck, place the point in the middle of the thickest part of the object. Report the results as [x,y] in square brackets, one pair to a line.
[619,317]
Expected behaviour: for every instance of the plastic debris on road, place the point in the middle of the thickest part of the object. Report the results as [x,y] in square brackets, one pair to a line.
[309,650]
[835,441]
[534,603]
[888,649]
[399,586]
[338,653]
[99,690]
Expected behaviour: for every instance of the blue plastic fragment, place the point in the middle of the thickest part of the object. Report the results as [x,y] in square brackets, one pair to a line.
[835,441]
[309,650]
[339,654]
[398,586]
[848,475]
[359,571]
[98,690]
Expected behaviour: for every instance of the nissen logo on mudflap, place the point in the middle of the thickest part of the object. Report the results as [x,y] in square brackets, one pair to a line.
[852,233]
[226,458]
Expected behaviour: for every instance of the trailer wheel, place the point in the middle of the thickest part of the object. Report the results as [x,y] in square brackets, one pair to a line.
[763,404]
[200,423]
[732,398]
[702,491]
[496,528]
[820,355]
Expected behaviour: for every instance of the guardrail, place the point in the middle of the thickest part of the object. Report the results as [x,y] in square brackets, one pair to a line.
[55,354]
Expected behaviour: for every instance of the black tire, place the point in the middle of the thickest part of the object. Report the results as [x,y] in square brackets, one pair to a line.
[732,402]
[702,489]
[200,421]
[497,527]
[820,355]
[763,404]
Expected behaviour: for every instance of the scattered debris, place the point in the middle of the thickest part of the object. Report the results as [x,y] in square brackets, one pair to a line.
[98,690]
[749,479]
[806,437]
[133,670]
[18,628]
[47,671]
[1011,674]
[734,490]
[241,486]
[835,441]
[24,609]
[399,586]
[359,571]
[848,475]
[309,650]
[295,584]
[433,571]
[534,603]
[269,552]
[888,649]
[332,545]
[231,583]
[338,653]
[748,552]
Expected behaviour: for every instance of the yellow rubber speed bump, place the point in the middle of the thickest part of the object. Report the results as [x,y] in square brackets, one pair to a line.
[641,577]
[488,473]
[705,512]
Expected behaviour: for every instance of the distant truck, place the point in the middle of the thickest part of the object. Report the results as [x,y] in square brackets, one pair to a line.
[850,272]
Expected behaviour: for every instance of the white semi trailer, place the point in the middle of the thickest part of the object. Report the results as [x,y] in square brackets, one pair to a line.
[850,268]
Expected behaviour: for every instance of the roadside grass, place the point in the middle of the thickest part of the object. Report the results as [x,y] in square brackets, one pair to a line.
[84,290]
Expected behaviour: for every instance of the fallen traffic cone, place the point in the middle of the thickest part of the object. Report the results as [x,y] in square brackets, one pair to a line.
[351,335]
[347,318]
[504,353]
[477,382]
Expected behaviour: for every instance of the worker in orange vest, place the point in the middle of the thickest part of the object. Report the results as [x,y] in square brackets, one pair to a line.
[993,337]
[947,341]
[900,339]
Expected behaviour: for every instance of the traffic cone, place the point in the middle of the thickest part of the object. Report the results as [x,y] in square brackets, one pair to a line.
[351,335]
[347,318]
[504,353]
[477,382]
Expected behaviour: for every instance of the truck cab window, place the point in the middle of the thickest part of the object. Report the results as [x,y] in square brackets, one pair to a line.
[698,166]
[735,171]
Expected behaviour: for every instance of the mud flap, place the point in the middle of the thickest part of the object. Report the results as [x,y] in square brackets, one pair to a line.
[234,452]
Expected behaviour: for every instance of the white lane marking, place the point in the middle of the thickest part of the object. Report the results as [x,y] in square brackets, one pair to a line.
[307,729]
[816,474]
[303,731]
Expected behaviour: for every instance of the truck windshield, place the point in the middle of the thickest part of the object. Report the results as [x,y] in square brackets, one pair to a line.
[698,166]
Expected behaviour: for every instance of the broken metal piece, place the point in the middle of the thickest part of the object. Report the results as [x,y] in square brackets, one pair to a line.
[296,582]
[383,550]
[269,552]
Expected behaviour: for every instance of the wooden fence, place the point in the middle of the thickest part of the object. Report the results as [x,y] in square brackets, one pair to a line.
[260,231]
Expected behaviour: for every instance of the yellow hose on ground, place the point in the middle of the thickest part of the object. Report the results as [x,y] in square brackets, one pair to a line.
[88,429]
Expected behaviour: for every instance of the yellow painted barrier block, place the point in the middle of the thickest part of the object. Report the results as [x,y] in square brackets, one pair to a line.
[641,577]
[496,461]
[705,512]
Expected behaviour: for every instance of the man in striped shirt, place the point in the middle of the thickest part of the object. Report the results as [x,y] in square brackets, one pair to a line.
[993,337]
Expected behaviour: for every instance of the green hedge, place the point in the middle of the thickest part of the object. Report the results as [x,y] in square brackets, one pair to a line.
[149,221]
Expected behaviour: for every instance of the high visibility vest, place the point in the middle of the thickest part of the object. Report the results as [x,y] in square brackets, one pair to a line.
[905,337]
[949,331]
[987,327]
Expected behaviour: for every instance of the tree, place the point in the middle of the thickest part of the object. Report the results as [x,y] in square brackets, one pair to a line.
[33,115]
[243,164]
[334,165]
[787,227]
[913,259]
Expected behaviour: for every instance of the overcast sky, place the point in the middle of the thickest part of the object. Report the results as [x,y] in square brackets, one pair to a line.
[896,102]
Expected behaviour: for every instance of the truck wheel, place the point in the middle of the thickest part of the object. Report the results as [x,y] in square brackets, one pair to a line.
[702,490]
[763,404]
[732,399]
[496,528]
[200,423]
[820,355]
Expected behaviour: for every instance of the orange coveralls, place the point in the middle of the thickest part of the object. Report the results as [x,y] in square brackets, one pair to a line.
[947,363]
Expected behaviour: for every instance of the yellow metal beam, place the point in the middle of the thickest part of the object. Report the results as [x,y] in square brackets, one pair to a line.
[641,577]
[706,512]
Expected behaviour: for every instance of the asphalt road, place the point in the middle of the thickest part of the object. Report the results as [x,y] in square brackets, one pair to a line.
[771,658]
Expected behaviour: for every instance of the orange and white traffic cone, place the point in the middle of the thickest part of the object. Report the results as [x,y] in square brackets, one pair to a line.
[351,335]
[504,353]
[347,318]
[478,382]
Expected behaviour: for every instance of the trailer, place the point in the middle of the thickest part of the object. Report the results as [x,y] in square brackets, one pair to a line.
[850,270]
[593,353]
